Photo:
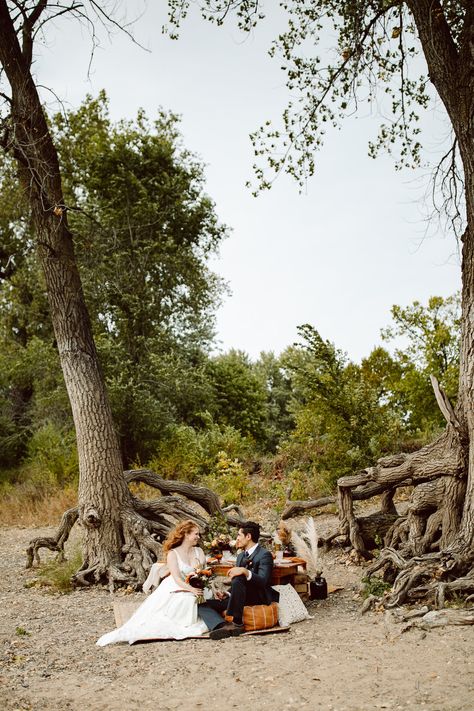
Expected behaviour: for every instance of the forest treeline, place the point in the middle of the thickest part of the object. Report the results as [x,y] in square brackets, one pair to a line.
[144,232]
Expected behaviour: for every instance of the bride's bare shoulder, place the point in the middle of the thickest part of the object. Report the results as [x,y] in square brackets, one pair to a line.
[172,555]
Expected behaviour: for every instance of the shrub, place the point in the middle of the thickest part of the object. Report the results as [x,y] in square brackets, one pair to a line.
[190,454]
[229,479]
[374,586]
[52,457]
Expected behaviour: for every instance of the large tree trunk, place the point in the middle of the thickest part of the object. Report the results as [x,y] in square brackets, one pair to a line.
[103,494]
[451,70]
[121,534]
[465,135]
[466,379]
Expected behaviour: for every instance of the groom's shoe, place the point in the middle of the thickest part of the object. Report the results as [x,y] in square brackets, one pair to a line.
[228,629]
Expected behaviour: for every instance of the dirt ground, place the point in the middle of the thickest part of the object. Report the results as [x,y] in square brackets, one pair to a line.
[339,660]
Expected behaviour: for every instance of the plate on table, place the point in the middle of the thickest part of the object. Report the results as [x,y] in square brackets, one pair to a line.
[284,563]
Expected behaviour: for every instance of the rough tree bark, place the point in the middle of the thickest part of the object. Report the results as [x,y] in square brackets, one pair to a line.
[451,70]
[103,494]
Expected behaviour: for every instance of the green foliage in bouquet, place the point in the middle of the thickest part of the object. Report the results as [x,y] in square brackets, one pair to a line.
[219,535]
[200,579]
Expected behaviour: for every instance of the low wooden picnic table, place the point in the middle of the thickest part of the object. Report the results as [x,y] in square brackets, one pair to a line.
[284,572]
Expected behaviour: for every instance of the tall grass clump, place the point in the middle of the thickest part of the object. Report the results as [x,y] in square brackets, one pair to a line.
[56,575]
[52,459]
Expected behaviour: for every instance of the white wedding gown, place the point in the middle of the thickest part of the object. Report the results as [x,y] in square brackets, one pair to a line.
[165,614]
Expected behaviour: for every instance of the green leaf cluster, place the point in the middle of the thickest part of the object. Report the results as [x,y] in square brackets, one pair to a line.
[342,423]
[347,415]
[143,230]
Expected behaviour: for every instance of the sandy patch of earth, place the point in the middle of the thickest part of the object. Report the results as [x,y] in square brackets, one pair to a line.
[339,660]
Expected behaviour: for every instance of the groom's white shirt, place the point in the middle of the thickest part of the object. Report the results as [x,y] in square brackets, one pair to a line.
[250,551]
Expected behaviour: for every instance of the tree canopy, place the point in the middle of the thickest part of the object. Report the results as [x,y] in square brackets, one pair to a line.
[143,230]
[340,58]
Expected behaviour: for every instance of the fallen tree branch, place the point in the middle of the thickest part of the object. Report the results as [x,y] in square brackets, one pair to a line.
[441,618]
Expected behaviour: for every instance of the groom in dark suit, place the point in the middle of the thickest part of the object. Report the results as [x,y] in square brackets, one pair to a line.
[250,585]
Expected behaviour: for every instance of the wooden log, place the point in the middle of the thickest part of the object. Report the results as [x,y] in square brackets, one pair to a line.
[441,618]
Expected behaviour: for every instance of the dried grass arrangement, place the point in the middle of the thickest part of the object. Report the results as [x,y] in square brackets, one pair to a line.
[306,546]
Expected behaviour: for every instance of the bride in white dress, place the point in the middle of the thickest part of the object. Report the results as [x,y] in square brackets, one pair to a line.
[171,611]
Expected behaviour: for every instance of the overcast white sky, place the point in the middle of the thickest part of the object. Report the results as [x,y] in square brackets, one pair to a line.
[338,256]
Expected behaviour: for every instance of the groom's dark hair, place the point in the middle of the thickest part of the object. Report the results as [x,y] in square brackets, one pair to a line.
[252,528]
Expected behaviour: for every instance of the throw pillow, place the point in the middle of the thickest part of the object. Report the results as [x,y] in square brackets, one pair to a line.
[291,608]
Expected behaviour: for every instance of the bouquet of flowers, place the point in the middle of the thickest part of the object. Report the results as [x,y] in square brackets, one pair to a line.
[218,539]
[282,540]
[219,543]
[200,578]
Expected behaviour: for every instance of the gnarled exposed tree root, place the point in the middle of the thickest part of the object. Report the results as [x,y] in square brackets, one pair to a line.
[461,585]
[53,543]
[441,618]
[296,508]
[420,556]
[434,575]
[436,471]
[143,526]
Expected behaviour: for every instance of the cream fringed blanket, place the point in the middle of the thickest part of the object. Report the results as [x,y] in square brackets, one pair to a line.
[124,609]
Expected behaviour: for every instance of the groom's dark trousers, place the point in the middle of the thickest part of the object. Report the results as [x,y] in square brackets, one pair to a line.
[256,591]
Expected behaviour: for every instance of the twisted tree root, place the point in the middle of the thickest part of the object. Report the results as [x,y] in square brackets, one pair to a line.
[142,527]
[465,584]
[438,473]
[433,575]
[53,543]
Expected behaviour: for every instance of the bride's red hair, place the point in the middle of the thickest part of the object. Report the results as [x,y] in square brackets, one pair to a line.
[176,536]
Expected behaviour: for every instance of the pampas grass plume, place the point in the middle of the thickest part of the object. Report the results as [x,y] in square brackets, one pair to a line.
[307,547]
